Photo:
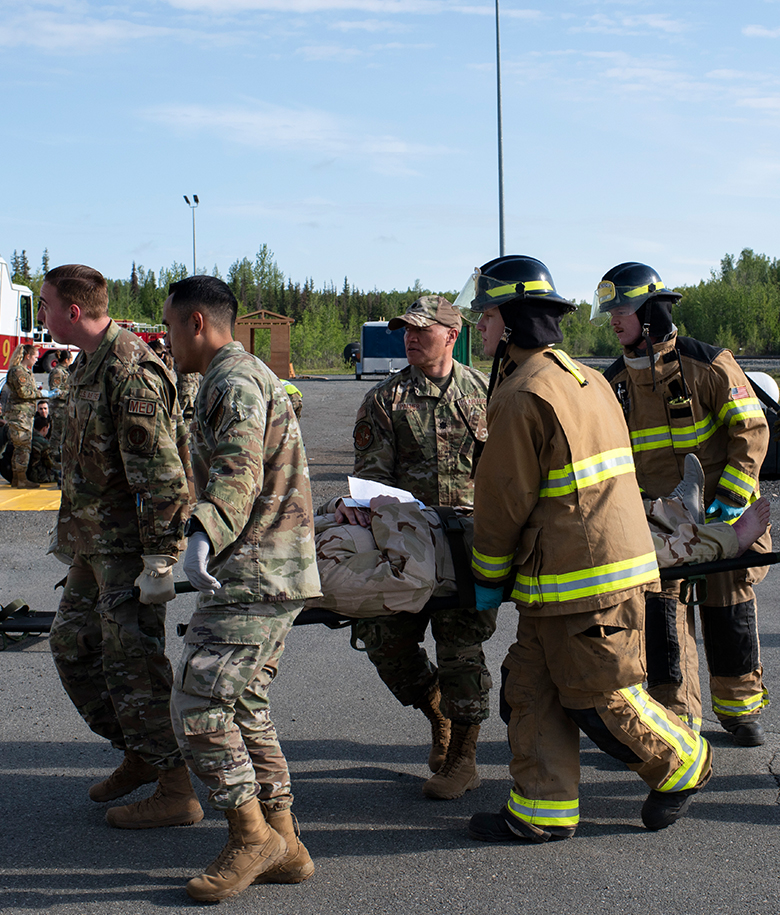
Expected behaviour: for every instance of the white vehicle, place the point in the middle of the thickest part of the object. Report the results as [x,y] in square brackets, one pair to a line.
[17,319]
[17,325]
[382,351]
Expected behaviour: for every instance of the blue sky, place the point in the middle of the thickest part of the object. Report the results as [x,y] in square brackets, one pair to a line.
[357,138]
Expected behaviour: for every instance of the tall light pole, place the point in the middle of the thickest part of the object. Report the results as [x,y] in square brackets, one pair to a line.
[500,143]
[192,206]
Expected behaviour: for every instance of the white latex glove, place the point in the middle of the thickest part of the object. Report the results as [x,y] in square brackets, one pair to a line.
[196,564]
[156,581]
[54,548]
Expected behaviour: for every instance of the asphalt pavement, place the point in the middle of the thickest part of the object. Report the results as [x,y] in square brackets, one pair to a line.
[358,761]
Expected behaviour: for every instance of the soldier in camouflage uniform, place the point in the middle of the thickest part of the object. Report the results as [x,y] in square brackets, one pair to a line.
[187,387]
[417,430]
[120,524]
[23,394]
[42,466]
[59,379]
[251,555]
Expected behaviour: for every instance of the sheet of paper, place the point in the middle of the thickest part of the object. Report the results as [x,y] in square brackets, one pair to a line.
[363,491]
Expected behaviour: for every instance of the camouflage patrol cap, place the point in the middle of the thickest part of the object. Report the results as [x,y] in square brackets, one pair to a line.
[427,310]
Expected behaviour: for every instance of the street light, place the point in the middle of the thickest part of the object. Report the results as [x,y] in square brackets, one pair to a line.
[192,206]
[500,143]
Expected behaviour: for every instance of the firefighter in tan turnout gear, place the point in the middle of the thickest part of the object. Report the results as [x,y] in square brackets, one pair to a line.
[680,396]
[558,516]
[418,430]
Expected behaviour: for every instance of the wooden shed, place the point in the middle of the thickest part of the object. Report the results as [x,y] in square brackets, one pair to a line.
[279,325]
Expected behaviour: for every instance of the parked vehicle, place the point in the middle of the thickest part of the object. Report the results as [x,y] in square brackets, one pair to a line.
[382,351]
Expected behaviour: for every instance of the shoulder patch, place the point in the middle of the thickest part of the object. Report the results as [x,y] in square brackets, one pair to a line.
[364,435]
[138,436]
[138,407]
[738,393]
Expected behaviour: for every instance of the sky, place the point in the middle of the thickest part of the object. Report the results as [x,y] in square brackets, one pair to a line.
[358,138]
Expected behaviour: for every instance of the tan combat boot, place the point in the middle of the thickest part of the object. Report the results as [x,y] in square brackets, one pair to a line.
[132,772]
[459,772]
[440,729]
[296,866]
[20,481]
[174,803]
[252,847]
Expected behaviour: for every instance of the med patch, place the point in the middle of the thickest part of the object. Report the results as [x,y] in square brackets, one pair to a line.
[137,406]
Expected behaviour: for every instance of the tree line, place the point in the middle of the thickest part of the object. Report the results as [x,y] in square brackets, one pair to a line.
[737,306]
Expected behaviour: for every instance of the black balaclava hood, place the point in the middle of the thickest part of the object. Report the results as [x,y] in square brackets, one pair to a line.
[532,324]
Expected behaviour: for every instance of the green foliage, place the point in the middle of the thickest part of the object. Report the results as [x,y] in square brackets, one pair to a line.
[738,306]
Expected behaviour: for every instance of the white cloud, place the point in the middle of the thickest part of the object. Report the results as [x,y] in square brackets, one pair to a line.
[57,32]
[771,103]
[380,7]
[365,25]
[633,25]
[330,52]
[299,130]
[760,31]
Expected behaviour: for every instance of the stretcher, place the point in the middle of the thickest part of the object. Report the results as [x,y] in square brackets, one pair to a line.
[17,621]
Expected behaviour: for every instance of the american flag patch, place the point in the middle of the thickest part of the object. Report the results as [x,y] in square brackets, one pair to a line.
[738,393]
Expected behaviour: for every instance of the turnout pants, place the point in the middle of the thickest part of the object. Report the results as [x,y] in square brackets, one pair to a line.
[109,650]
[730,632]
[393,644]
[585,671]
[219,703]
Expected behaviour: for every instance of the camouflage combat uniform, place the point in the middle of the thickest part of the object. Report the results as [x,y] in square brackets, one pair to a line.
[393,566]
[124,495]
[187,387]
[23,394]
[254,503]
[59,380]
[41,468]
[410,434]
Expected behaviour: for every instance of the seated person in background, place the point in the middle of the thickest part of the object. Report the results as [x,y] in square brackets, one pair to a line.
[41,468]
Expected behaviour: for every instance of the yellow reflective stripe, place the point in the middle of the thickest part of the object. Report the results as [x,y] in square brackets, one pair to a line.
[569,363]
[605,579]
[736,411]
[737,482]
[733,708]
[532,286]
[651,439]
[686,436]
[592,470]
[491,566]
[690,748]
[544,813]
[657,437]
[641,290]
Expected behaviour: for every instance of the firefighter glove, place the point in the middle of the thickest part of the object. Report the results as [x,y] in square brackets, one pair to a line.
[724,512]
[488,598]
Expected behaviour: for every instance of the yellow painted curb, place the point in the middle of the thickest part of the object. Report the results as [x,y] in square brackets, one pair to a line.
[47,498]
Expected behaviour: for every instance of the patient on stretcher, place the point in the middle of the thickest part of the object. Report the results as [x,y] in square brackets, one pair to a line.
[402,558]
